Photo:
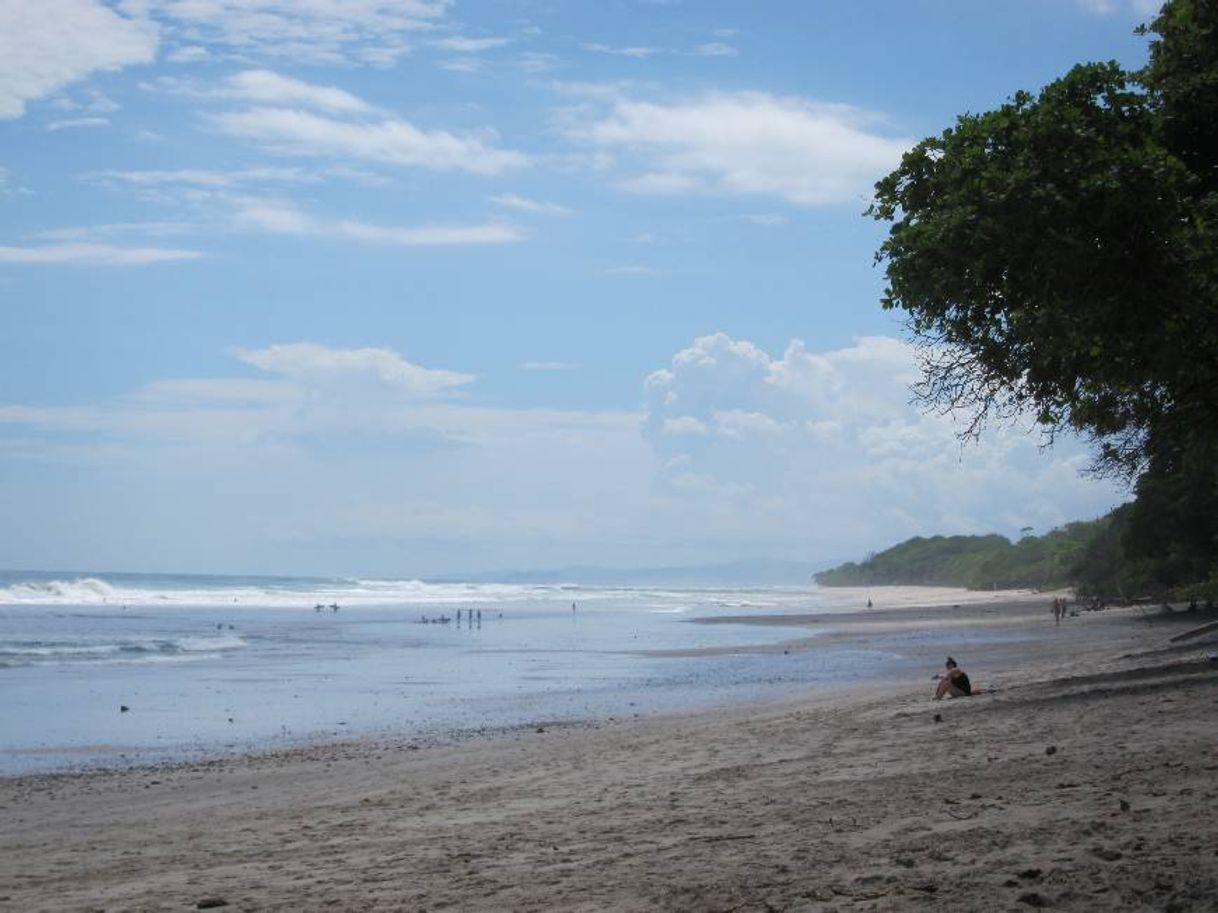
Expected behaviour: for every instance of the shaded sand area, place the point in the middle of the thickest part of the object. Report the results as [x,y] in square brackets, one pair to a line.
[1087,781]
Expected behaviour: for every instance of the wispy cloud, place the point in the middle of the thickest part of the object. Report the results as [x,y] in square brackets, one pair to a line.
[75,122]
[548,366]
[538,61]
[53,43]
[714,49]
[85,254]
[318,365]
[389,141]
[191,53]
[464,45]
[118,229]
[640,52]
[312,31]
[464,65]
[635,51]
[768,219]
[8,187]
[1108,7]
[524,204]
[283,218]
[88,101]
[194,183]
[266,87]
[204,177]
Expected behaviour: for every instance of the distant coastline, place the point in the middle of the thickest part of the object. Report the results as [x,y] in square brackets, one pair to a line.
[1059,559]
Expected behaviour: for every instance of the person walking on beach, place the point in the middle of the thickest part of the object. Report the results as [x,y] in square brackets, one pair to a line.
[1057,611]
[953,682]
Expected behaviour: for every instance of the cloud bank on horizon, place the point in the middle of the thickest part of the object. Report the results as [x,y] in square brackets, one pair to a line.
[808,453]
[422,286]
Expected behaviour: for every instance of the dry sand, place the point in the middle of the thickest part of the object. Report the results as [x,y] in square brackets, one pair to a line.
[1087,781]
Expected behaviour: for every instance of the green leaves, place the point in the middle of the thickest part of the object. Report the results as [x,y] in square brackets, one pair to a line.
[1060,254]
[1046,239]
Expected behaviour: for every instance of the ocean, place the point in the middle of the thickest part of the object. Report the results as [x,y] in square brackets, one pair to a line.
[123,669]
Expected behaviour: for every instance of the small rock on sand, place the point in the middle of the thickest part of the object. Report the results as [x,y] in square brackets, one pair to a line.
[210,903]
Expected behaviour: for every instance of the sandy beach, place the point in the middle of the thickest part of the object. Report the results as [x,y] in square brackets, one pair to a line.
[1085,780]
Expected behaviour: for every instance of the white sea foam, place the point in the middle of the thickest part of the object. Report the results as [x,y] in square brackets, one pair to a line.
[192,592]
[198,592]
[25,652]
[82,591]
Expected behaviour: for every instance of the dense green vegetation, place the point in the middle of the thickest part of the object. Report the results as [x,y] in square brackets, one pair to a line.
[976,562]
[1058,257]
[1094,558]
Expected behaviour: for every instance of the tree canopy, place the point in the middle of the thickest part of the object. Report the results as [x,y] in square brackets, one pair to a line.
[1058,256]
[975,562]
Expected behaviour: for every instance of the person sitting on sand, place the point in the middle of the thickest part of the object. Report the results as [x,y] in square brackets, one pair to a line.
[953,682]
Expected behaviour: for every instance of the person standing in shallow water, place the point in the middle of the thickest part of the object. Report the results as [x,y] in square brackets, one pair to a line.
[953,682]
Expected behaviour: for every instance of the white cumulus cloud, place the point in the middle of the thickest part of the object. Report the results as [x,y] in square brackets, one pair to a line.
[827,446]
[743,144]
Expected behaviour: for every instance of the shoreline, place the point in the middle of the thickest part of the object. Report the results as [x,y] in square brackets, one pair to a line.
[62,721]
[858,628]
[851,798]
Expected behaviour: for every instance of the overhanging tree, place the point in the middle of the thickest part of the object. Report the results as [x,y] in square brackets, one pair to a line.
[1059,256]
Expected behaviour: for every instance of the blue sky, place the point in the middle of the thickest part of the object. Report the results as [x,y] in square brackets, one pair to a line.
[410,287]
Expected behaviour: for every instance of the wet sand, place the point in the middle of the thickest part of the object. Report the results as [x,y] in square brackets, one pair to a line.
[1086,781]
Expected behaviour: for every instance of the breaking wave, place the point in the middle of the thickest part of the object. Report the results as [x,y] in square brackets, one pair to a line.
[205,592]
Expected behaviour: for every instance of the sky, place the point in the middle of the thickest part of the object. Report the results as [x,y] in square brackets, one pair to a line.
[416,287]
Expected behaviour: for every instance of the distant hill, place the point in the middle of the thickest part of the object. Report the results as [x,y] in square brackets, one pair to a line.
[745,572]
[1056,559]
